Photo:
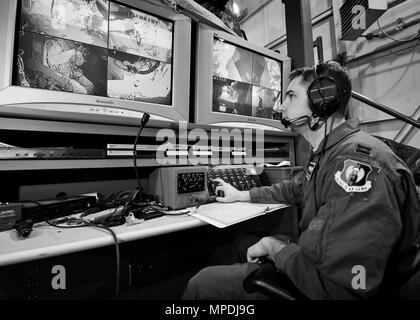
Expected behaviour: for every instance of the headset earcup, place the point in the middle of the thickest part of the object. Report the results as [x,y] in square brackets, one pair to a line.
[323,96]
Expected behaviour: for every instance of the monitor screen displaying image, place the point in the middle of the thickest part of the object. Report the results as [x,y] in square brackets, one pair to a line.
[138,78]
[94,47]
[139,33]
[231,96]
[245,82]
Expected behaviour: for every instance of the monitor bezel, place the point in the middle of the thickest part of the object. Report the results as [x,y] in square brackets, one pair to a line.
[75,107]
[203,113]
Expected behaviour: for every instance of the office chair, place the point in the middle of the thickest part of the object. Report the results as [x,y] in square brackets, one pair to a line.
[276,285]
[410,155]
[411,289]
[272,283]
[414,164]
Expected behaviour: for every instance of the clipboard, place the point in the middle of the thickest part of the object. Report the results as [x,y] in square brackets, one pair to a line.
[223,215]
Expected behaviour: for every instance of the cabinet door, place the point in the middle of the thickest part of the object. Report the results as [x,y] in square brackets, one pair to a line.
[83,275]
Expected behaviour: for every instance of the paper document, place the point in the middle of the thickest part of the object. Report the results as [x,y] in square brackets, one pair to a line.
[222,215]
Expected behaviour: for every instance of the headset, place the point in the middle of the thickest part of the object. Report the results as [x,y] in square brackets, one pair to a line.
[324,93]
[324,98]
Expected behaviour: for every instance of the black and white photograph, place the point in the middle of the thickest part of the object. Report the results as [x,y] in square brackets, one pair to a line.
[79,20]
[231,62]
[57,64]
[227,159]
[231,96]
[138,78]
[266,72]
[139,33]
[264,102]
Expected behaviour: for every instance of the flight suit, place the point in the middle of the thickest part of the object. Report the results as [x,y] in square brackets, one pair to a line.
[359,232]
[360,218]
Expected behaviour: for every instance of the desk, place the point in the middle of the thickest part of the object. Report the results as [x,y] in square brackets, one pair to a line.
[89,257]
[47,241]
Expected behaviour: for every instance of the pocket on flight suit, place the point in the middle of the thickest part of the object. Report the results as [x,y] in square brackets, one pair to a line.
[313,241]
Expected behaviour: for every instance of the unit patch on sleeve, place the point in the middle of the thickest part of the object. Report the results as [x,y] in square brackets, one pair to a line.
[353,176]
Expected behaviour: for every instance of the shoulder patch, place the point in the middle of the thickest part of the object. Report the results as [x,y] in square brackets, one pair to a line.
[353,176]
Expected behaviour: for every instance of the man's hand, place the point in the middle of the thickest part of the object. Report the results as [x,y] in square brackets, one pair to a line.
[268,246]
[231,194]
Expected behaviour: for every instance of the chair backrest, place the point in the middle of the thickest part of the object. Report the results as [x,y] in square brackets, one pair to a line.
[272,283]
[410,155]
[411,289]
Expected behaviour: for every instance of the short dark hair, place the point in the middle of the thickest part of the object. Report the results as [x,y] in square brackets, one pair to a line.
[328,69]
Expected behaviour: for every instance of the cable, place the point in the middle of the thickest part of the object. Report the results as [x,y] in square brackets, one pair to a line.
[116,243]
[321,154]
[115,219]
[65,227]
[117,254]
[101,226]
[399,40]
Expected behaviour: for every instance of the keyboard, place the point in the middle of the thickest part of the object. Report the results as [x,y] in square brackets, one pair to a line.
[236,176]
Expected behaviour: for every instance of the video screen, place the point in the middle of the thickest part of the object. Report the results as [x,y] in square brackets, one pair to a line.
[78,20]
[138,78]
[231,62]
[266,72]
[139,33]
[62,65]
[230,96]
[244,82]
[264,101]
[94,47]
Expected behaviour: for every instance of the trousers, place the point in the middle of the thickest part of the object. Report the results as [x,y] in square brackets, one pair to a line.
[221,283]
[225,282]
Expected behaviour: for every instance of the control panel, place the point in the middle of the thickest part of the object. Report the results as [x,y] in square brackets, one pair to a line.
[242,177]
[188,182]
[181,187]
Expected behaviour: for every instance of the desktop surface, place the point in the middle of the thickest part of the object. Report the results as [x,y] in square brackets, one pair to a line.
[48,241]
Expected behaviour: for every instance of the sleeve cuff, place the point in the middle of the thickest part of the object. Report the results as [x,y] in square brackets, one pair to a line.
[255,194]
[284,254]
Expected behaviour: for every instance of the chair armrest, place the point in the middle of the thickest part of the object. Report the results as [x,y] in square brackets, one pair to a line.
[272,283]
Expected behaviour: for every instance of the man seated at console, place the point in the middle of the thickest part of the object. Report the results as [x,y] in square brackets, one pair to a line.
[360,211]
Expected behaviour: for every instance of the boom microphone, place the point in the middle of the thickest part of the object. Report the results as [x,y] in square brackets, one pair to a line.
[295,122]
[143,122]
[144,119]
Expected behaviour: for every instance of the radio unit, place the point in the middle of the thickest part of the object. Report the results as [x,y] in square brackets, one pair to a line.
[181,187]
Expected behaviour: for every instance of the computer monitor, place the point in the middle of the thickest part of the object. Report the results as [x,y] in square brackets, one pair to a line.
[94,60]
[238,84]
